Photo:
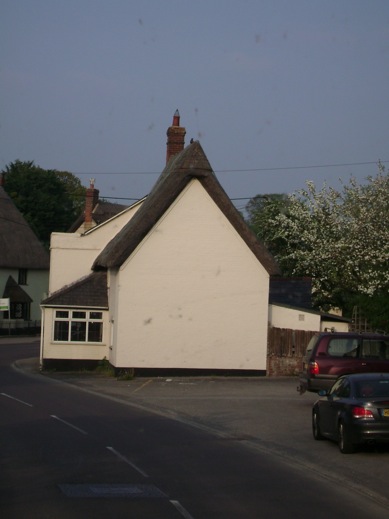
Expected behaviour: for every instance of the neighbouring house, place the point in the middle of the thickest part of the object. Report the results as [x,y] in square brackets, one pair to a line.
[290,307]
[24,269]
[175,281]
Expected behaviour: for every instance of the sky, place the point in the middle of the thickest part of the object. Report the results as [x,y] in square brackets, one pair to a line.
[278,92]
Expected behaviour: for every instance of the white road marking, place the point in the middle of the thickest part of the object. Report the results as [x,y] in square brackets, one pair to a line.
[126,460]
[69,424]
[181,509]
[16,399]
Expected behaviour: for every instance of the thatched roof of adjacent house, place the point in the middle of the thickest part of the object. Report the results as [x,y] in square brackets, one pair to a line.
[189,164]
[88,292]
[19,246]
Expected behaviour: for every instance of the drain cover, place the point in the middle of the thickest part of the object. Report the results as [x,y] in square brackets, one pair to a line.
[112,491]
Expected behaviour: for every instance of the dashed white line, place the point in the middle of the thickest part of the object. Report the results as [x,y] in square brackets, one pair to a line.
[16,399]
[69,424]
[181,509]
[129,462]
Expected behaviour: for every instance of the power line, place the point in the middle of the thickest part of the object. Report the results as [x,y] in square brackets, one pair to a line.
[251,170]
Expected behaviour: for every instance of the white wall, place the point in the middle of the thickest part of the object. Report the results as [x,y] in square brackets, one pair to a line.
[73,351]
[284,317]
[334,326]
[37,287]
[192,295]
[72,254]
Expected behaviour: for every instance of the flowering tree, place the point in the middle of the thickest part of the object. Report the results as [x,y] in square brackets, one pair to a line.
[339,238]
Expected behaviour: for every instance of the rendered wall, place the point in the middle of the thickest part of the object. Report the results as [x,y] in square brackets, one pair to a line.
[36,287]
[72,254]
[192,295]
[71,351]
[300,319]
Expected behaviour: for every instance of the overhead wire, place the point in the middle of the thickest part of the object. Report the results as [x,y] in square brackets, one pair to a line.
[249,170]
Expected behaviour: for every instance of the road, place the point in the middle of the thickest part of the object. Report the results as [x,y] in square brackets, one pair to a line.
[169,451]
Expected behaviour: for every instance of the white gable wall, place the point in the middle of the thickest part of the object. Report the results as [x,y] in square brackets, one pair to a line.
[72,254]
[192,295]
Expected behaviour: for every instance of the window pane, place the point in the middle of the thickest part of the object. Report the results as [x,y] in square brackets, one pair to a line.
[78,331]
[343,347]
[61,331]
[95,315]
[78,315]
[22,280]
[64,314]
[95,332]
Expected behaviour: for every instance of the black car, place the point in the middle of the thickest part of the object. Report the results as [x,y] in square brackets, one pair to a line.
[332,354]
[354,411]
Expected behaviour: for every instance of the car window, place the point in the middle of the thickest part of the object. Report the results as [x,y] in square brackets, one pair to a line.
[344,389]
[336,387]
[311,344]
[375,349]
[372,388]
[343,347]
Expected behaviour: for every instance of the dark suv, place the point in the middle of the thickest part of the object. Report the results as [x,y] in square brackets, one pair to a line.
[330,355]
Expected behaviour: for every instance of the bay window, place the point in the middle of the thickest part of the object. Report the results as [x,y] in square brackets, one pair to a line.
[78,326]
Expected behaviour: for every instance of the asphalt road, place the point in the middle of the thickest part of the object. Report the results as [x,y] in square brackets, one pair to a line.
[158,447]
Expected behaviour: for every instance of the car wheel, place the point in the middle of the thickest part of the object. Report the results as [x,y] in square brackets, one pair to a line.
[345,445]
[316,426]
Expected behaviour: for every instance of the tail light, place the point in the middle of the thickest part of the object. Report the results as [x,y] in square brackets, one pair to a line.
[313,368]
[361,412]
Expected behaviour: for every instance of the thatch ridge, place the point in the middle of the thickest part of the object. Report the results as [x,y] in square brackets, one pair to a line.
[190,164]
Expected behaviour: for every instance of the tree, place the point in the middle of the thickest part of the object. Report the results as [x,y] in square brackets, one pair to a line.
[49,200]
[263,209]
[341,240]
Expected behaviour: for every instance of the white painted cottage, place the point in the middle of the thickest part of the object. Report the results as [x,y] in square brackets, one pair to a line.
[24,269]
[176,281]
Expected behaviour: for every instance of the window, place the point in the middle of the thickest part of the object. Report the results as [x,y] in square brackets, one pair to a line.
[22,278]
[375,349]
[20,311]
[78,326]
[342,347]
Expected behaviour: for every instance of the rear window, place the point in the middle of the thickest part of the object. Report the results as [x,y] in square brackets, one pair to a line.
[343,347]
[311,344]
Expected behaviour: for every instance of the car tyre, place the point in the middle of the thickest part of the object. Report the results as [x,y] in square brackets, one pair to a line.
[345,444]
[316,426]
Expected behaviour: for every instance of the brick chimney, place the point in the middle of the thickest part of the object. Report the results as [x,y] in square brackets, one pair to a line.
[91,199]
[175,137]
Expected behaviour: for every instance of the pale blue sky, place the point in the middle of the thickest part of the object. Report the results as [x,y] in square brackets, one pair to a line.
[90,86]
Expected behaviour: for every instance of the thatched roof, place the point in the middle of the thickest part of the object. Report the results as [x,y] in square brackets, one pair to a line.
[88,292]
[19,246]
[189,164]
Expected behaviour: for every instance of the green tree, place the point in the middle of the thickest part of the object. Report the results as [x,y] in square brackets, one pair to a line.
[264,208]
[49,200]
[341,240]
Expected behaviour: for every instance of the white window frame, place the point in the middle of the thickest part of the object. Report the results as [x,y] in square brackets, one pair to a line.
[75,319]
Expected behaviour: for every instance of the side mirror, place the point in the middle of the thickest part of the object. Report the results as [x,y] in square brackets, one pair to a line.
[323,392]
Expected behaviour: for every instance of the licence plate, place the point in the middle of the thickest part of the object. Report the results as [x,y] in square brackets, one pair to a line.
[386,413]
